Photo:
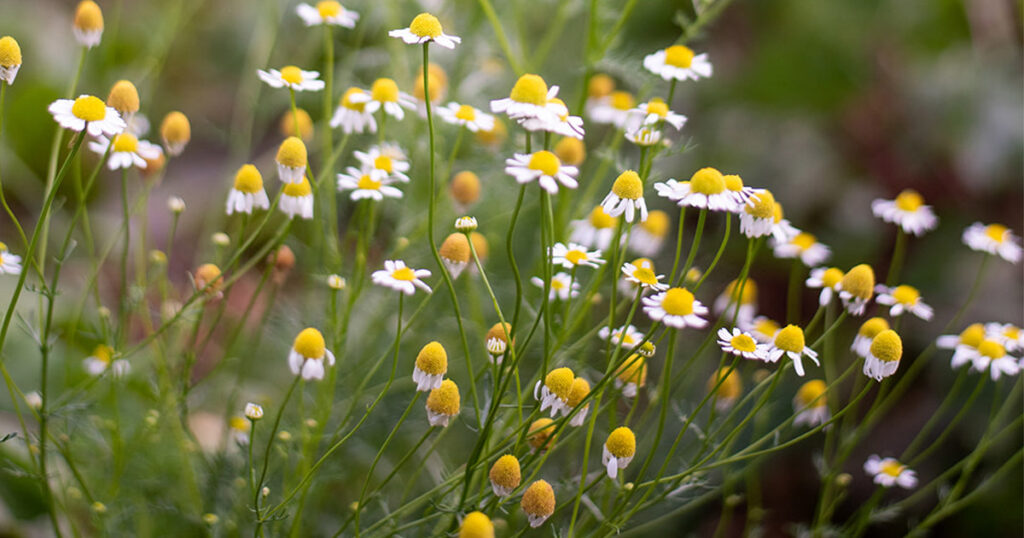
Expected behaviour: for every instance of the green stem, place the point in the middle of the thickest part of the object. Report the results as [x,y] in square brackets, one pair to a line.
[898,253]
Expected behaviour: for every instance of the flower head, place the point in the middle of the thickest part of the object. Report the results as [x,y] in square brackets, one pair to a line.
[88,24]
[626,196]
[993,239]
[247,192]
[291,160]
[443,403]
[992,355]
[367,184]
[678,62]
[388,159]
[857,288]
[465,188]
[1007,334]
[579,390]
[455,253]
[308,353]
[888,472]
[705,190]
[632,375]
[431,366]
[571,151]
[528,99]
[554,390]
[126,151]
[866,333]
[10,59]
[505,475]
[87,113]
[828,279]
[676,307]
[654,114]
[176,131]
[757,218]
[726,384]
[903,298]
[563,286]
[790,342]
[764,330]
[423,29]
[965,344]
[298,123]
[884,355]
[297,199]
[466,224]
[648,237]
[208,278]
[538,502]
[613,109]
[626,336]
[102,358]
[543,167]
[907,211]
[618,451]
[804,246]
[253,411]
[476,525]
[10,264]
[541,434]
[732,303]
[384,95]
[466,116]
[124,98]
[572,256]
[497,339]
[740,343]
[810,404]
[643,277]
[351,115]
[397,276]
[437,85]
[596,230]
[327,12]
[293,78]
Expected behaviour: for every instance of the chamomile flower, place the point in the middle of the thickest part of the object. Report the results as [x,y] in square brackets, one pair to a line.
[476,525]
[538,503]
[554,390]
[124,98]
[889,472]
[253,411]
[466,116]
[884,355]
[297,199]
[810,404]
[431,365]
[528,99]
[632,375]
[297,123]
[505,475]
[866,334]
[443,403]
[992,355]
[705,190]
[87,113]
[597,230]
[648,237]
[209,279]
[727,386]
[907,211]
[757,216]
[676,308]
[387,158]
[654,113]
[351,115]
[678,62]
[309,351]
[87,25]
[465,189]
[902,299]
[437,82]
[628,288]
[563,286]
[626,336]
[239,428]
[740,343]
[455,253]
[175,131]
[1008,335]
[102,358]
[541,434]
[397,276]
[10,264]
[293,78]
[804,246]
[423,29]
[574,256]
[328,12]
[857,288]
[579,390]
[369,185]
[614,109]
[734,304]
[619,449]
[643,277]
[828,280]
[543,167]
[599,87]
[10,59]
[384,95]
[497,340]
[993,239]
[641,134]
[790,342]
[127,151]
[740,193]
[292,159]
[556,119]
[965,344]
[626,196]
[764,329]
[247,192]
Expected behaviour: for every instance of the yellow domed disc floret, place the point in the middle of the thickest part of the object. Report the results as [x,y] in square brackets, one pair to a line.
[764,205]
[291,74]
[872,327]
[384,90]
[506,472]
[444,400]
[831,277]
[539,499]
[125,143]
[810,393]
[292,152]
[10,52]
[628,185]
[455,248]
[621,442]
[600,85]
[678,302]
[907,295]
[707,181]
[621,100]
[328,9]
[124,97]
[909,200]
[991,349]
[633,370]
[298,190]
[346,99]
[730,388]
[679,56]
[476,525]
[887,346]
[425,25]
[743,343]
[860,281]
[541,435]
[601,220]
[579,390]
[89,108]
[559,382]
[530,89]
[432,359]
[465,187]
[545,162]
[657,223]
[571,151]
[973,335]
[310,344]
[88,16]
[791,338]
[498,331]
[996,232]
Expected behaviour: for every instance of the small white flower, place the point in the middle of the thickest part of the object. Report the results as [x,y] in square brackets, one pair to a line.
[87,113]
[370,185]
[597,230]
[992,355]
[790,342]
[573,256]
[297,199]
[811,405]
[804,246]
[889,472]
[653,113]
[906,211]
[626,197]
[397,276]
[543,167]
[352,116]
[467,116]
[993,239]
[384,95]
[884,355]
[1007,334]
[293,78]
[644,277]
[424,28]
[554,118]
[308,353]
[643,135]
[247,192]
[528,99]
[676,308]
[828,279]
[253,411]
[705,190]
[128,151]
[560,286]
[387,158]
[612,109]
[626,337]
[678,62]
[618,451]
[102,359]
[902,299]
[740,343]
[10,264]
[328,12]
[336,282]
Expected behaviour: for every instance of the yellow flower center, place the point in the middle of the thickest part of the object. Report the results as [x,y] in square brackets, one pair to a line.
[239,424]
[540,434]
[368,183]
[310,344]
[455,248]
[743,342]
[810,393]
[89,108]
[530,89]
[404,273]
[645,276]
[730,388]
[657,223]
[476,525]
[973,335]
[571,151]
[658,107]
[764,205]
[425,25]
[291,74]
[498,331]
[1011,332]
[766,327]
[991,349]
[628,185]
[707,181]
[790,338]
[996,232]
[678,302]
[679,56]
[297,190]
[634,370]
[892,468]
[539,499]
[103,353]
[506,472]
[576,256]
[601,220]
[292,152]
[384,90]
[559,382]
[466,113]
[557,284]
[831,277]
[909,200]
[621,442]
[248,179]
[887,346]
[804,241]
[384,163]
[346,100]
[126,143]
[600,85]
[88,16]
[444,400]
[749,291]
[545,162]
[872,327]
[860,281]
[621,100]
[432,359]
[328,9]
[124,97]
[175,128]
[777,213]
[733,183]
[580,389]
[907,295]
[10,52]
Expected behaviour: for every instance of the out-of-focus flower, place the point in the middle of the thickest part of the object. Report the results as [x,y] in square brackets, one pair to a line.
[247,192]
[293,78]
[889,472]
[127,151]
[176,131]
[327,12]
[993,239]
[10,264]
[297,199]
[466,116]
[678,62]
[804,246]
[907,211]
[88,24]
[902,299]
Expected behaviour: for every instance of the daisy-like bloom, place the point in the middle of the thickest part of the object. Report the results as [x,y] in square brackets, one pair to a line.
[1008,335]
[247,192]
[740,343]
[705,190]
[828,280]
[678,62]
[599,87]
[10,264]
[676,308]
[455,253]
[726,384]
[336,282]
[618,451]
[573,256]
[640,134]
[431,365]
[384,95]
[497,340]
[626,196]
[10,59]
[790,342]
[740,193]
[239,428]
[465,189]
[466,116]
[596,230]
[369,185]
[902,299]
[543,167]
[632,375]
[626,337]
[466,224]
[889,472]
[857,288]
[124,98]
[425,28]
[298,121]
[176,131]
[654,113]
[804,246]
[253,411]
[993,239]
[810,404]
[562,286]
[538,503]
[291,160]
[102,359]
[866,334]
[351,115]
[579,390]
[757,218]
[397,276]
[541,434]
[554,390]
[476,525]
[556,118]
[528,99]
[643,277]
[742,307]
[613,109]
[327,13]
[387,158]
[884,355]
[764,329]
[297,199]
[127,151]
[647,238]
[88,24]
[443,403]
[992,355]
[87,113]
[571,151]
[907,211]
[308,354]
[965,344]
[208,279]
[293,78]
[505,475]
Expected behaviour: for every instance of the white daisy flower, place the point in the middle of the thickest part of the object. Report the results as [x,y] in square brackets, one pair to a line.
[293,78]
[424,28]
[705,190]
[643,135]
[628,287]
[466,116]
[384,95]
[965,344]
[631,376]
[678,62]
[554,391]
[676,308]
[647,238]
[528,99]
[884,355]
[993,239]
[102,359]
[857,288]
[308,353]
[740,343]
[790,342]
[560,286]
[573,256]
[370,185]
[626,337]
[579,390]
[626,196]
[297,199]
[866,334]
[644,277]
[253,411]
[239,428]
[612,109]
[128,151]
[431,365]
[292,159]
[328,12]
[902,299]
[87,25]
[555,119]
[352,116]
[10,59]
[828,279]
[653,113]
[889,472]
[388,158]
[906,211]
[804,246]
[618,450]
[810,404]
[443,404]
[1008,335]
[397,276]
[10,264]
[87,113]
[992,355]
[597,230]
[247,192]
[544,167]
